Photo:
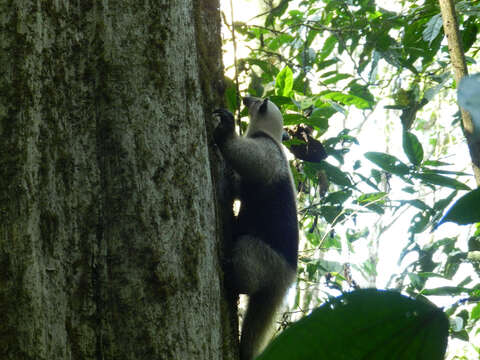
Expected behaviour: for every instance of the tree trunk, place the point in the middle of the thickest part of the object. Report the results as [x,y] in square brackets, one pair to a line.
[109,246]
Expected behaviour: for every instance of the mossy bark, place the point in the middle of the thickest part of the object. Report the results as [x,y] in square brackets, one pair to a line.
[109,245]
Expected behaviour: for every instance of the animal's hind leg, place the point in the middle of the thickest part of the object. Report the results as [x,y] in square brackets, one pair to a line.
[256,266]
[264,276]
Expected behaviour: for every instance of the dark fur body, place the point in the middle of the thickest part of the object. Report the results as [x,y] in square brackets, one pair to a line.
[268,211]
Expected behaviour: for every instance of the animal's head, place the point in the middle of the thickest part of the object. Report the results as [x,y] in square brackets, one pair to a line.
[264,116]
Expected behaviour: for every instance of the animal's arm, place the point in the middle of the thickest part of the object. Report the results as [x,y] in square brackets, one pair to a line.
[255,159]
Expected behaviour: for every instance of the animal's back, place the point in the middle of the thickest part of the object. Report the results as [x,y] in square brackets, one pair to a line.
[269,211]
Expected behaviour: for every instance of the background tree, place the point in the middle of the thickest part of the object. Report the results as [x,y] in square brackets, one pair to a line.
[108,238]
[350,71]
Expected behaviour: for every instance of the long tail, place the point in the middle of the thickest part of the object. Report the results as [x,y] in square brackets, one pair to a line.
[261,310]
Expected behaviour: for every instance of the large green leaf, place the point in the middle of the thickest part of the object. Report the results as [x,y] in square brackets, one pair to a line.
[365,324]
[466,210]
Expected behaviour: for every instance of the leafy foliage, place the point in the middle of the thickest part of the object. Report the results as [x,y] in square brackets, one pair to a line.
[332,62]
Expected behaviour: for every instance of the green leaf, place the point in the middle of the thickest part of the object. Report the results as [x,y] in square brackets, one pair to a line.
[430,93]
[336,78]
[332,213]
[334,174]
[266,67]
[293,119]
[362,92]
[435,163]
[276,12]
[278,41]
[365,324]
[415,46]
[476,312]
[337,107]
[347,99]
[419,222]
[466,210]
[328,47]
[426,170]
[469,34]
[388,163]
[446,291]
[231,95]
[433,28]
[284,82]
[378,197]
[419,204]
[318,119]
[367,181]
[452,264]
[376,208]
[324,64]
[441,204]
[321,267]
[441,180]
[280,100]
[412,147]
[338,197]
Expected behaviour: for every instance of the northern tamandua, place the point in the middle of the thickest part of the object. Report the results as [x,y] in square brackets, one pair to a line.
[264,257]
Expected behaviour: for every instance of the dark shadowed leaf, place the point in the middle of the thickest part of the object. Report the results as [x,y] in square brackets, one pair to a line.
[436,179]
[365,324]
[388,163]
[412,147]
[465,211]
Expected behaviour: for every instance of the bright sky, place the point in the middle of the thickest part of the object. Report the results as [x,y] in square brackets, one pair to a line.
[372,138]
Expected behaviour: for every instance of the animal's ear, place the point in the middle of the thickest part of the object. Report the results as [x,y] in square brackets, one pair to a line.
[263,107]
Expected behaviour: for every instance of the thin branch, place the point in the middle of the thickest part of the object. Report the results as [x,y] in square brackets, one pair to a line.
[457,56]
[237,85]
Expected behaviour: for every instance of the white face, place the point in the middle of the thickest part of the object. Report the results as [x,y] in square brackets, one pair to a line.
[264,116]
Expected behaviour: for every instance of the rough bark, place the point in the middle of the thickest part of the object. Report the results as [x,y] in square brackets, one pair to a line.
[108,236]
[457,56]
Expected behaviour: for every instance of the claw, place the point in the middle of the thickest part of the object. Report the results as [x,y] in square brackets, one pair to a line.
[223,113]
